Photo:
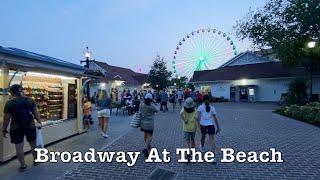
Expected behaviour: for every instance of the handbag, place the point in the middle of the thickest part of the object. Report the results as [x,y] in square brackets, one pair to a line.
[136,120]
[39,139]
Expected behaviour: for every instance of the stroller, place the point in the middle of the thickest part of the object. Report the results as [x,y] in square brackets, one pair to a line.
[131,106]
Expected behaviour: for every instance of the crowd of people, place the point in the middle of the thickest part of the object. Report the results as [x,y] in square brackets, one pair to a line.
[197,112]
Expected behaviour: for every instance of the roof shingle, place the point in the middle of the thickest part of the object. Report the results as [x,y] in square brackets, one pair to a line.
[119,73]
[249,71]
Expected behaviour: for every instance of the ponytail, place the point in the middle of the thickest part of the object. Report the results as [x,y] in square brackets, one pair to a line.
[206,99]
[208,108]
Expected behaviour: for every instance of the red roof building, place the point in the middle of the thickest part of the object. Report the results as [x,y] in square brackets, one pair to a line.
[117,77]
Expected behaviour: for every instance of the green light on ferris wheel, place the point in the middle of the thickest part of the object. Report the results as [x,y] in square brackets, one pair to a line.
[200,64]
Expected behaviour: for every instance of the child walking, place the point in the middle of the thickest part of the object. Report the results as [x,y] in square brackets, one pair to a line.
[189,117]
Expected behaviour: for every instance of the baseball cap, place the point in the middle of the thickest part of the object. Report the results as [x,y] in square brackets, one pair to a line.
[189,103]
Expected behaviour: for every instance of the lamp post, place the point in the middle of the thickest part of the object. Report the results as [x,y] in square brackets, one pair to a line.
[87,55]
[311,45]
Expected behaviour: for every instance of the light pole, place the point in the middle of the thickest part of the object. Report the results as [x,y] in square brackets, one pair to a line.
[87,55]
[311,45]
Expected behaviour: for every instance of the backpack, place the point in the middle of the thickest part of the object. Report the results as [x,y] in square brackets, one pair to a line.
[172,99]
[23,114]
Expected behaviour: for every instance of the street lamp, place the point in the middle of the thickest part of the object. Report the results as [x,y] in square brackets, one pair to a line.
[87,55]
[311,44]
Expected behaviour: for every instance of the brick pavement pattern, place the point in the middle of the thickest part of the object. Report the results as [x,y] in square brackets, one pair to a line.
[245,127]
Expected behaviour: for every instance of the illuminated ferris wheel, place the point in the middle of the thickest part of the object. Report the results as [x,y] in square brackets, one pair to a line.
[202,49]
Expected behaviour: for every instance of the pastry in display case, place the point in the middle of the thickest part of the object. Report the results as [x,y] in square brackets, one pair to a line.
[48,96]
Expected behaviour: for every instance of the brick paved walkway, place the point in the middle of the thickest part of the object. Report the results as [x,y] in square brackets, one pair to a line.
[118,126]
[245,127]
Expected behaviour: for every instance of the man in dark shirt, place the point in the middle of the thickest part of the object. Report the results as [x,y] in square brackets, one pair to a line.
[21,111]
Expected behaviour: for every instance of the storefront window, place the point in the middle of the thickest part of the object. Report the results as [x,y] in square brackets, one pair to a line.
[47,92]
[51,94]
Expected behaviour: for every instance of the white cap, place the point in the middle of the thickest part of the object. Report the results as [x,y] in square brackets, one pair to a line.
[148,96]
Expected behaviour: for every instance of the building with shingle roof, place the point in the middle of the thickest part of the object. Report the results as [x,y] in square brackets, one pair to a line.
[250,76]
[117,77]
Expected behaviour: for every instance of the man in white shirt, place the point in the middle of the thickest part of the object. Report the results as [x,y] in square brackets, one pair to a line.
[180,96]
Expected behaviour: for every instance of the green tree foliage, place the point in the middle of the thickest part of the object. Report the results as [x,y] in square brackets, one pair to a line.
[180,82]
[158,76]
[286,26]
[191,86]
[297,93]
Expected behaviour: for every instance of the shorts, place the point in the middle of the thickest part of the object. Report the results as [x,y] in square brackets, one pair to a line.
[208,129]
[87,117]
[104,113]
[163,103]
[147,131]
[189,136]
[17,135]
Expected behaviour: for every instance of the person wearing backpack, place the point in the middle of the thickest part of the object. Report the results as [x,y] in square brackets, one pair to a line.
[20,112]
[189,116]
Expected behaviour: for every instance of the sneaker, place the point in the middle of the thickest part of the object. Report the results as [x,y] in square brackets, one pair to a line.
[145,152]
[22,169]
[35,163]
[105,136]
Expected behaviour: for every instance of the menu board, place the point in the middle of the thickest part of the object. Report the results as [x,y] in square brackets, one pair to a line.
[72,101]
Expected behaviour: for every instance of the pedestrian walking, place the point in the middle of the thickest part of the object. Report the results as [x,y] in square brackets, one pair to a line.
[186,93]
[193,95]
[173,100]
[86,113]
[199,98]
[188,115]
[208,123]
[104,105]
[180,96]
[20,112]
[147,111]
[164,100]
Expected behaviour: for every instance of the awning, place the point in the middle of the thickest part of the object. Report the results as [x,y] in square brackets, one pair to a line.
[25,61]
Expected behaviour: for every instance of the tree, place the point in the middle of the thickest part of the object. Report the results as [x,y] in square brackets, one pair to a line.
[158,76]
[180,82]
[297,93]
[286,26]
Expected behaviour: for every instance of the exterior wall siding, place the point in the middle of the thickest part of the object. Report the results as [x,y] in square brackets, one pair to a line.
[268,90]
[221,89]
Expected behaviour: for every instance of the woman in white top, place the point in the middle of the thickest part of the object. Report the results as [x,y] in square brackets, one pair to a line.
[208,123]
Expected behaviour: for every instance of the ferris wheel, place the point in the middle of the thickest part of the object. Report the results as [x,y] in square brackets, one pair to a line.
[202,49]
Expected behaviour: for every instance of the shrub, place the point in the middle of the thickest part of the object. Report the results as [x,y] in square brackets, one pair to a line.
[309,113]
[297,93]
